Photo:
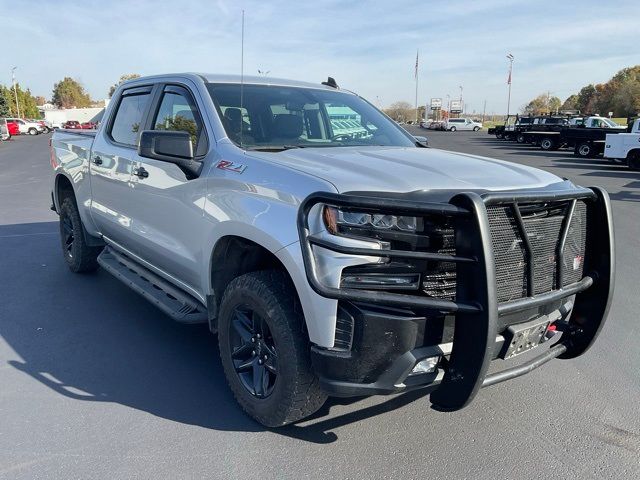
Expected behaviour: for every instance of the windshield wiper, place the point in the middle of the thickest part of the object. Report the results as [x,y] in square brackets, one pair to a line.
[273,148]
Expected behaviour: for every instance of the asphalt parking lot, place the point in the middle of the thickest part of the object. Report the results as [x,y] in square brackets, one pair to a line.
[97,383]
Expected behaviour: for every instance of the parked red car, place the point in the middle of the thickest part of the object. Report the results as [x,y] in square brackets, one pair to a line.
[13,128]
[72,124]
[89,126]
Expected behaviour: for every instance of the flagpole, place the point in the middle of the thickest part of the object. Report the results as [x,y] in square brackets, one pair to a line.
[417,55]
[510,57]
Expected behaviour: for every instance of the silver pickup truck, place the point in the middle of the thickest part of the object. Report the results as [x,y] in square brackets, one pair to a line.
[332,252]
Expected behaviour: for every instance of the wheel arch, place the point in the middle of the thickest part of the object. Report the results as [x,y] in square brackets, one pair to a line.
[235,254]
[633,153]
[63,188]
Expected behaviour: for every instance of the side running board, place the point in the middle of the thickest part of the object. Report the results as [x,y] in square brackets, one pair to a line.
[176,303]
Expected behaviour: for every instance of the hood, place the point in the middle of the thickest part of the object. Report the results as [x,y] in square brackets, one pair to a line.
[398,169]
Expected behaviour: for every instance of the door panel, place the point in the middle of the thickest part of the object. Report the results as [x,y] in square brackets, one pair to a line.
[111,192]
[167,224]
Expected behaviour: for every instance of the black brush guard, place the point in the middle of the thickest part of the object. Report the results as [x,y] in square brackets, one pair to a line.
[476,307]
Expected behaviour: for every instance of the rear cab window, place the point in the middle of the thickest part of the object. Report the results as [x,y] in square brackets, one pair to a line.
[127,122]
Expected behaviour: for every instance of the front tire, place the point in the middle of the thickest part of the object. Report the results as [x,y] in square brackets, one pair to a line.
[475,129]
[79,256]
[520,138]
[452,129]
[33,131]
[264,350]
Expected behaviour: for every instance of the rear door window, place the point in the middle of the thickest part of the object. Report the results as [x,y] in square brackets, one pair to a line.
[128,119]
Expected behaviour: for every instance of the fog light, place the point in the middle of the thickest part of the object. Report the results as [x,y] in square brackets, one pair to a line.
[428,365]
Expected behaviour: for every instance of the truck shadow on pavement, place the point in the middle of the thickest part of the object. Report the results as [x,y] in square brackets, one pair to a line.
[89,338]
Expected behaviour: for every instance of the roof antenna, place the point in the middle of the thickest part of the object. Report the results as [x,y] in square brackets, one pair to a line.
[241,79]
[330,82]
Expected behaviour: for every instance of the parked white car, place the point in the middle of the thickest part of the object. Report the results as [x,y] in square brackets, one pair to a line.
[454,124]
[27,127]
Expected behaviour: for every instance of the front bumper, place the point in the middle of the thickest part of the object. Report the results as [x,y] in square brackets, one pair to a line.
[389,345]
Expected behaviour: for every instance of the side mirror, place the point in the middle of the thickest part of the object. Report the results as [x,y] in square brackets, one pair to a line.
[421,141]
[172,147]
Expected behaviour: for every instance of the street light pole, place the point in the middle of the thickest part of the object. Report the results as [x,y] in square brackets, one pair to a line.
[15,90]
[510,57]
[461,102]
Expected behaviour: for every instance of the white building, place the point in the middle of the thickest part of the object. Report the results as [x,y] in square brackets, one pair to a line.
[59,116]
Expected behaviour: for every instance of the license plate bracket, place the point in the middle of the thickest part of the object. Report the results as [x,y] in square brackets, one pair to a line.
[523,337]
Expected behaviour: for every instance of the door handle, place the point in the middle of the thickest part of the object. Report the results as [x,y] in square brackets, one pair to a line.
[97,160]
[141,172]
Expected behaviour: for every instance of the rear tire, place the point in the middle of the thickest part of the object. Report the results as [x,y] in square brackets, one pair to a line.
[264,350]
[633,161]
[546,144]
[520,138]
[584,150]
[500,136]
[79,256]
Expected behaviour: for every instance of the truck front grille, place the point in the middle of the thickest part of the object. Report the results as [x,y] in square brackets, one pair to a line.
[439,280]
[543,227]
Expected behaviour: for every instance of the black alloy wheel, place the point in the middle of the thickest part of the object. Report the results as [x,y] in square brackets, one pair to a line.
[253,352]
[79,256]
[68,237]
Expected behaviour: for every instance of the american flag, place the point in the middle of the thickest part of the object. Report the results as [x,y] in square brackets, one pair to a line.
[415,74]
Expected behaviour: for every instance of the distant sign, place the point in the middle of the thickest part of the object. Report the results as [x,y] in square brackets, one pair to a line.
[455,106]
[436,103]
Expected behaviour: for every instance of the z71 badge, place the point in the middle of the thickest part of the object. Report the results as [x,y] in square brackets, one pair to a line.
[231,166]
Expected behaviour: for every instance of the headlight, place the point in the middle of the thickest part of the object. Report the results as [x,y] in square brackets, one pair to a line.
[334,218]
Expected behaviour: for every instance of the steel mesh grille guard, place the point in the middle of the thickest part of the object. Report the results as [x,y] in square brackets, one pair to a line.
[515,266]
[509,254]
[514,251]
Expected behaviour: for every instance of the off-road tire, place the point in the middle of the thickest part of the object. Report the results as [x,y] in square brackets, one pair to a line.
[296,392]
[79,256]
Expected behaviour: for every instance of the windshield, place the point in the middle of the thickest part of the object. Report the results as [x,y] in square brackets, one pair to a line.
[611,123]
[277,117]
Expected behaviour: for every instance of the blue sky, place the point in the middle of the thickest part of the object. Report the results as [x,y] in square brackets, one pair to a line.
[368,46]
